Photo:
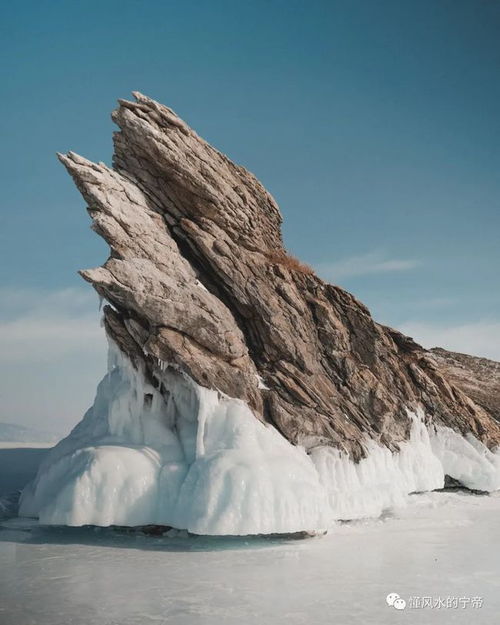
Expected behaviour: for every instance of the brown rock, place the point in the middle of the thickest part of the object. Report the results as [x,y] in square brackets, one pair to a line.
[198,278]
[478,377]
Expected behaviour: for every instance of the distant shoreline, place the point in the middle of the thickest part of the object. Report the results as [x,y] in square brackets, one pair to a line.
[16,444]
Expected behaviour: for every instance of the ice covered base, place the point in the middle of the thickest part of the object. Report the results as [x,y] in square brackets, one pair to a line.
[193,459]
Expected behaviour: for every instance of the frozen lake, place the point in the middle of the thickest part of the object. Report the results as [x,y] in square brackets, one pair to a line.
[443,546]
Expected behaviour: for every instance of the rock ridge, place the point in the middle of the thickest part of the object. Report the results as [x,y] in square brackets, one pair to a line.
[198,278]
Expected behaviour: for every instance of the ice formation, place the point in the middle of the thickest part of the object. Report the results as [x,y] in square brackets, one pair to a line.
[466,459]
[198,461]
[382,479]
[201,461]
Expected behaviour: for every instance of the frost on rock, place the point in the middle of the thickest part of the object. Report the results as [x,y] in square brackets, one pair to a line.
[190,458]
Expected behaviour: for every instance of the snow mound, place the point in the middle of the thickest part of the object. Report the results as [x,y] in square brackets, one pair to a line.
[188,457]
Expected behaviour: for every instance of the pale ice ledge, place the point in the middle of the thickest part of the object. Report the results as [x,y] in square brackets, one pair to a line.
[201,461]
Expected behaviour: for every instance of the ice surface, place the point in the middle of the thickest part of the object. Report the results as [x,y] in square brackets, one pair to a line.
[439,545]
[192,458]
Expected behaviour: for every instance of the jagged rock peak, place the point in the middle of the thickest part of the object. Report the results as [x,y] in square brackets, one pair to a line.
[198,278]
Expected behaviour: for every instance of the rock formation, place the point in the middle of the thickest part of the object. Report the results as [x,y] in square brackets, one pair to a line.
[479,378]
[198,276]
[198,283]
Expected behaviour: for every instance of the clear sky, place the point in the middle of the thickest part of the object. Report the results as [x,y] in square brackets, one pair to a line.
[375,124]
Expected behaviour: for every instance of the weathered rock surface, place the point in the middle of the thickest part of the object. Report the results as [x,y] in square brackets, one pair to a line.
[198,278]
[478,377]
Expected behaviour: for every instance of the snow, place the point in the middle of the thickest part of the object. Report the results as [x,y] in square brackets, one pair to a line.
[261,384]
[195,459]
[439,545]
[201,285]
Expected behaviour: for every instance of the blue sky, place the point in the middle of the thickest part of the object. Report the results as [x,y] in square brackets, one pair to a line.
[374,124]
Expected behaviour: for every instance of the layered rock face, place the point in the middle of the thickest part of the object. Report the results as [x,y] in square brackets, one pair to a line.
[245,395]
[198,277]
[478,377]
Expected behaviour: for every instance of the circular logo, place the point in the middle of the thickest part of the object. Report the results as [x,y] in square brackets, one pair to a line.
[391,598]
